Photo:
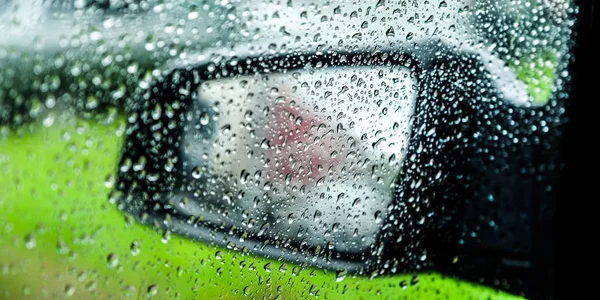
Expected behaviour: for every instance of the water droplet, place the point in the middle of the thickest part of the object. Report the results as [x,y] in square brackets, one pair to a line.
[91,286]
[112,260]
[414,280]
[196,172]
[157,112]
[321,181]
[283,268]
[268,267]
[69,290]
[152,290]
[409,36]
[109,181]
[265,144]
[140,164]
[403,284]
[61,247]
[219,255]
[135,248]
[204,118]
[267,186]
[248,115]
[225,129]
[166,237]
[170,165]
[333,154]
[378,217]
[340,197]
[244,175]
[193,15]
[291,218]
[317,216]
[30,241]
[330,245]
[129,291]
[335,227]
[340,275]
[390,32]
[49,120]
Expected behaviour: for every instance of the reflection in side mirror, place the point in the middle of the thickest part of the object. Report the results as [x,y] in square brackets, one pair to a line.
[307,157]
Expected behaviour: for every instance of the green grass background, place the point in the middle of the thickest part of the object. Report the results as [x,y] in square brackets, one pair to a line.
[55,191]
